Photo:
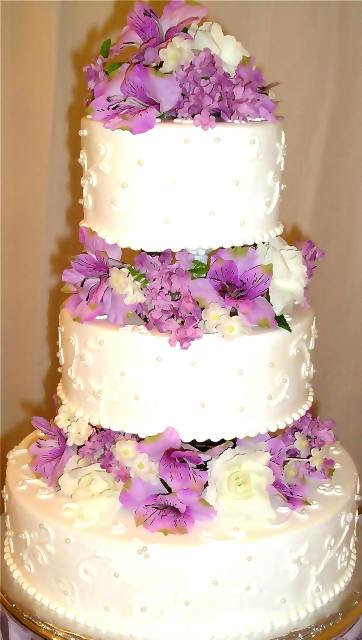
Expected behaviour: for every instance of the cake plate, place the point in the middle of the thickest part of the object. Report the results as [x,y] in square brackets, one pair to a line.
[342,623]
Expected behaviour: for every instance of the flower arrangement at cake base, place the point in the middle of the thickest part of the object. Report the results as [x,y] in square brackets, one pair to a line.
[170,485]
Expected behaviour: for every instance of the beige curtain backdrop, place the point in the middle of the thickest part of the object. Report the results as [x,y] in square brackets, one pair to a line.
[314,49]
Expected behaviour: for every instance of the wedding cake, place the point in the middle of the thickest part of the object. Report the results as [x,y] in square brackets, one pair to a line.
[183,487]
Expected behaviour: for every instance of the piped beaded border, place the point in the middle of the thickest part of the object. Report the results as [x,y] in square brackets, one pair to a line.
[94,419]
[251,239]
[294,617]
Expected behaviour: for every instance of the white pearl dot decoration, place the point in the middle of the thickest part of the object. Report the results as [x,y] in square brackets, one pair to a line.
[253,141]
[106,608]
[124,185]
[215,583]
[143,609]
[140,162]
[242,222]
[167,221]
[241,372]
[136,397]
[67,540]
[269,397]
[241,409]
[202,404]
[271,364]
[187,603]
[217,139]
[116,574]
[158,358]
[186,141]
[212,213]
[267,203]
[249,558]
[283,600]
[193,363]
[237,183]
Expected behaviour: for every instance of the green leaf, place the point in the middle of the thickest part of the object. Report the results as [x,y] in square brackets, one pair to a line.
[111,67]
[282,323]
[138,276]
[199,269]
[105,47]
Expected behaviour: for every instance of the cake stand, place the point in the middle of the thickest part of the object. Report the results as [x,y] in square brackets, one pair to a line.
[344,623]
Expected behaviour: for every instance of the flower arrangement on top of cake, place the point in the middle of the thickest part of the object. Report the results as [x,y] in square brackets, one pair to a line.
[181,68]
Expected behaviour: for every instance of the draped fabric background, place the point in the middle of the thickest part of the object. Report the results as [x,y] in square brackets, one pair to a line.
[313,48]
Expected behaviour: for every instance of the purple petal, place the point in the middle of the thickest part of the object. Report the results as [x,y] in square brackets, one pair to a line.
[165,514]
[222,274]
[155,446]
[163,89]
[144,22]
[177,15]
[202,290]
[43,425]
[201,509]
[135,492]
[257,312]
[93,243]
[178,469]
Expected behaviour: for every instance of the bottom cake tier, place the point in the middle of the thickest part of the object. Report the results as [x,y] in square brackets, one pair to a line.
[110,577]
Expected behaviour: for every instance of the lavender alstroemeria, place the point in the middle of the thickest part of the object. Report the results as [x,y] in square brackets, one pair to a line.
[183,469]
[134,97]
[173,512]
[149,32]
[94,244]
[241,282]
[311,254]
[50,454]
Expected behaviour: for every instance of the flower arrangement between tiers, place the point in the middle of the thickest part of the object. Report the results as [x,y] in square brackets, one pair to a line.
[169,485]
[186,295]
[177,68]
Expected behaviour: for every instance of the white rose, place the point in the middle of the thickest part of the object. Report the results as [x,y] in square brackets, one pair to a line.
[238,486]
[212,316]
[177,53]
[289,274]
[209,35]
[232,327]
[122,282]
[93,491]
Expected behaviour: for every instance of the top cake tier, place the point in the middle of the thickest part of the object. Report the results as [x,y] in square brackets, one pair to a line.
[177,186]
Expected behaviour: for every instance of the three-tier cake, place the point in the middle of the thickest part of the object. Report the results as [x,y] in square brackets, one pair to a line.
[183,488]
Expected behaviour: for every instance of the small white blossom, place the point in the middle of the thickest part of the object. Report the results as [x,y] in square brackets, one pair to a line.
[177,53]
[301,443]
[122,282]
[212,316]
[317,457]
[232,327]
[210,35]
[143,467]
[289,274]
[126,451]
[290,471]
[76,428]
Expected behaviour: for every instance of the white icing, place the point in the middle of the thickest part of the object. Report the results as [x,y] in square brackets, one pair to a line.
[217,188]
[268,579]
[138,383]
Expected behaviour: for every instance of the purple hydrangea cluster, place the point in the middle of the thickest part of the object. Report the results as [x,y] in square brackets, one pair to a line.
[169,306]
[209,93]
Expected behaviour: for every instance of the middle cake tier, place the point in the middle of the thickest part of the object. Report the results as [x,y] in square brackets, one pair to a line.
[130,379]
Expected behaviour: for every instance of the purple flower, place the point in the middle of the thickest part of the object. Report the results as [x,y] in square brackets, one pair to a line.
[172,512]
[181,469]
[95,73]
[241,282]
[109,463]
[51,454]
[169,306]
[209,93]
[311,254]
[94,244]
[294,493]
[149,32]
[134,97]
[98,442]
[155,446]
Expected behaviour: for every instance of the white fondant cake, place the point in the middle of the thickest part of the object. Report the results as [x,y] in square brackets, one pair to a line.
[106,374]
[183,490]
[103,573]
[215,188]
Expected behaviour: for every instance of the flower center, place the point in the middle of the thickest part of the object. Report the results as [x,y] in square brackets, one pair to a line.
[239,484]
